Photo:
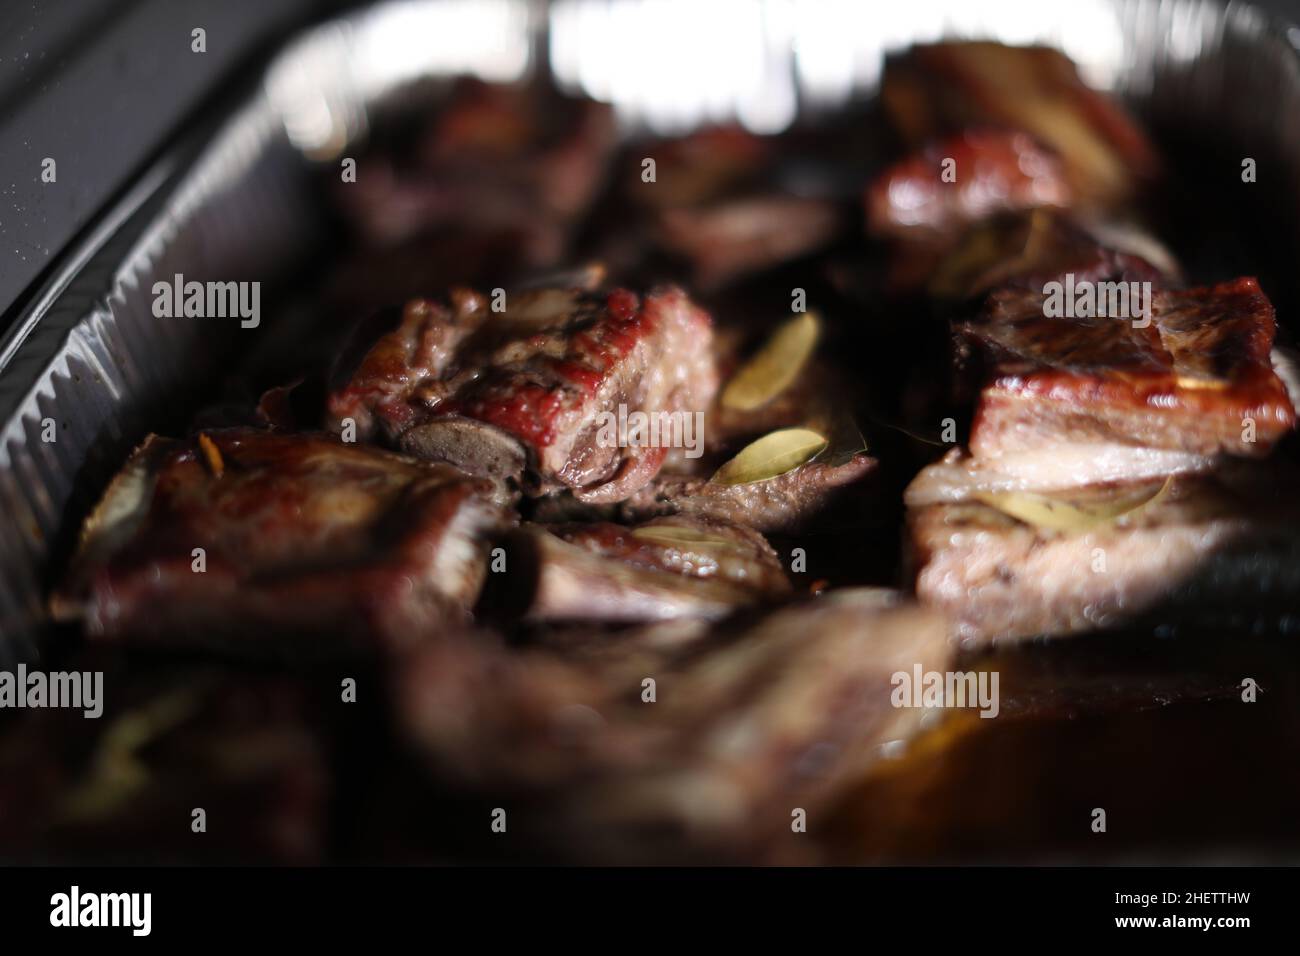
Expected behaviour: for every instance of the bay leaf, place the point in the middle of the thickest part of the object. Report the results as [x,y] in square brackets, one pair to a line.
[771,456]
[1074,512]
[775,366]
[671,536]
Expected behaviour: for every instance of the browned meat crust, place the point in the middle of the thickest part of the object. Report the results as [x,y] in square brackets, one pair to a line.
[784,503]
[495,157]
[1209,542]
[538,374]
[944,88]
[301,537]
[991,172]
[667,567]
[727,240]
[1027,251]
[1198,377]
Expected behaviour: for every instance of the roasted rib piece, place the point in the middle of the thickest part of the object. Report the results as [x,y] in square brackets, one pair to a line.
[991,172]
[524,393]
[795,500]
[784,503]
[723,205]
[495,157]
[1196,377]
[665,568]
[1006,217]
[750,721]
[816,396]
[942,89]
[308,546]
[1087,401]
[701,167]
[733,238]
[1203,544]
[1027,251]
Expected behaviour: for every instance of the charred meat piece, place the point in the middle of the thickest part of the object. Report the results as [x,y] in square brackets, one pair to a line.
[1202,544]
[785,503]
[702,167]
[540,383]
[780,387]
[1194,374]
[962,180]
[705,169]
[736,237]
[381,369]
[495,157]
[1027,251]
[750,720]
[261,542]
[726,204]
[665,568]
[946,88]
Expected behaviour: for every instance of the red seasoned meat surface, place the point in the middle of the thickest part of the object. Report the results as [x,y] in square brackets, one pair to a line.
[1196,377]
[963,179]
[526,386]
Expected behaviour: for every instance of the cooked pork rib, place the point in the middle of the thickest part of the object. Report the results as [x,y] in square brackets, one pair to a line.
[495,157]
[1196,378]
[787,502]
[815,399]
[794,501]
[990,172]
[1207,542]
[665,568]
[488,391]
[945,88]
[727,240]
[703,166]
[748,722]
[307,546]
[1026,251]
